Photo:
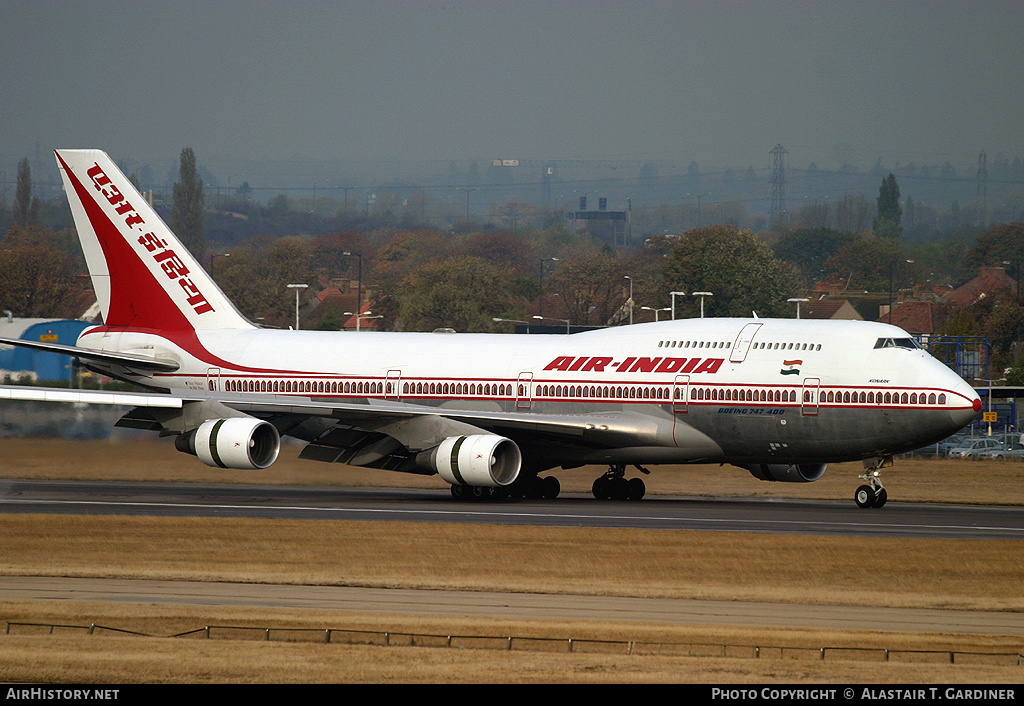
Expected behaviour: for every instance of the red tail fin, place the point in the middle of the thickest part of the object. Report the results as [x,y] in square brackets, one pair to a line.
[143,276]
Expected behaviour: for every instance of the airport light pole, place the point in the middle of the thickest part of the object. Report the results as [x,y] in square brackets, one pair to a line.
[674,295]
[650,308]
[363,315]
[798,300]
[297,287]
[213,257]
[548,318]
[630,298]
[513,321]
[359,279]
[702,295]
[988,416]
[540,300]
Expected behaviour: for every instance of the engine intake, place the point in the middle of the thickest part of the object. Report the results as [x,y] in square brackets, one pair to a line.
[244,443]
[480,459]
[787,473]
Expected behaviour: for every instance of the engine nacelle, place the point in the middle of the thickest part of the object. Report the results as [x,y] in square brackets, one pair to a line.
[480,459]
[787,472]
[245,443]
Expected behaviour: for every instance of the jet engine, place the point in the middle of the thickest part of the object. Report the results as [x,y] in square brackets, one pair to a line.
[787,472]
[480,460]
[244,443]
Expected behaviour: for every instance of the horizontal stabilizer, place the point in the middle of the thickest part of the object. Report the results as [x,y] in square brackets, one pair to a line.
[128,360]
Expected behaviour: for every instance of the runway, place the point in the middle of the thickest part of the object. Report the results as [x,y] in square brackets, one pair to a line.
[511,605]
[571,510]
[842,518]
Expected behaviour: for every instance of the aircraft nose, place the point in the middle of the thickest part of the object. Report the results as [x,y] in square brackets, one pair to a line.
[965,414]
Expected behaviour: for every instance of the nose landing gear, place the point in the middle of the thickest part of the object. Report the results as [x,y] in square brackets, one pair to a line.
[873,494]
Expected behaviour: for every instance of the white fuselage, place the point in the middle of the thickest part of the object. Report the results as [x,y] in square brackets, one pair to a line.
[731,390]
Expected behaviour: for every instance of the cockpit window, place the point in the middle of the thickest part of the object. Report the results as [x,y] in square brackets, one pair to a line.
[897,343]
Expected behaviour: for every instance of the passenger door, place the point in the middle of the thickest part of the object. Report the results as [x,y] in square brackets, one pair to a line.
[809,397]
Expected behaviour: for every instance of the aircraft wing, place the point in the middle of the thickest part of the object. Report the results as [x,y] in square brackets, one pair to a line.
[131,361]
[371,413]
[332,427]
[29,393]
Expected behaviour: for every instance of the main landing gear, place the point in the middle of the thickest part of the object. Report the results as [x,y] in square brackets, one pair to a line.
[873,494]
[614,486]
[531,487]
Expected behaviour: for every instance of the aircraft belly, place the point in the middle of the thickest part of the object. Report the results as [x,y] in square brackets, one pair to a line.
[785,434]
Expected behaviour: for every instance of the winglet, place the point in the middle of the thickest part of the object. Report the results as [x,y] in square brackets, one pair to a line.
[143,276]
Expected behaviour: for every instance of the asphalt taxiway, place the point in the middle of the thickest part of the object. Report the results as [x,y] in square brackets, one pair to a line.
[495,605]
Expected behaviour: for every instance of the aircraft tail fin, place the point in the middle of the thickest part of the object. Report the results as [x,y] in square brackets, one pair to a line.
[144,278]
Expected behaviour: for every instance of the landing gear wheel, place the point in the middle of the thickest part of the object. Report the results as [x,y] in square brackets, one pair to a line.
[880,497]
[478,493]
[614,486]
[481,492]
[532,488]
[865,496]
[550,487]
[516,491]
[637,488]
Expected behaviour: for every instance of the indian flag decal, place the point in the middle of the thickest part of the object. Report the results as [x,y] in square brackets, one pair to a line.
[791,368]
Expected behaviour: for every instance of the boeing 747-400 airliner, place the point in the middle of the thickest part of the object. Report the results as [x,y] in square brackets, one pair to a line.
[493,414]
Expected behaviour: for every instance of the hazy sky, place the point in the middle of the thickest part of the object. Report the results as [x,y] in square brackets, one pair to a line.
[716,82]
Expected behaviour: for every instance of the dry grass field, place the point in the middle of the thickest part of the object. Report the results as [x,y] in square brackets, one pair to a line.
[883,571]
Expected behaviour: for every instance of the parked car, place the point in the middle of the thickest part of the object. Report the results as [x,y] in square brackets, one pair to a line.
[1009,451]
[973,447]
[949,443]
[1012,439]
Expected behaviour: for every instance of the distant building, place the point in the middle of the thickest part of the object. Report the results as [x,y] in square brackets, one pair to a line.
[26,364]
[988,281]
[916,317]
[829,309]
